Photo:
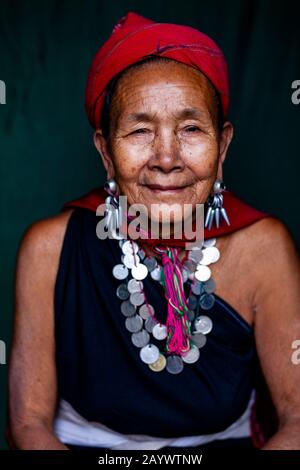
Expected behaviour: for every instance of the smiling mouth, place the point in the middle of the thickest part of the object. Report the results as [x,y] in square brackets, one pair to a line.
[156,188]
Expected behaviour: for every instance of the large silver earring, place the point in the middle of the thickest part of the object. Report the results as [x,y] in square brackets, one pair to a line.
[216,212]
[113,212]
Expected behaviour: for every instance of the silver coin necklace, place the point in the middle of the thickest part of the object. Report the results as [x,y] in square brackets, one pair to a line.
[139,315]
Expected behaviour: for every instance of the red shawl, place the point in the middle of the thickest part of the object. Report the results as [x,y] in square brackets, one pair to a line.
[240,214]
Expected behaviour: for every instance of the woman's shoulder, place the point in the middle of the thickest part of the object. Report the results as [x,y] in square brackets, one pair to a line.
[43,239]
[266,246]
[268,235]
[254,259]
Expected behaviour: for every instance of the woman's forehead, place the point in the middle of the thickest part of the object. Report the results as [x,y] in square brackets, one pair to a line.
[174,88]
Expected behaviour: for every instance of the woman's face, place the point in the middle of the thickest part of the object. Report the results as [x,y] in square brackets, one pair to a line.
[165,147]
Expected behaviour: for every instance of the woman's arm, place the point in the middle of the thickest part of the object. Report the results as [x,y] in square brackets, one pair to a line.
[277,325]
[32,372]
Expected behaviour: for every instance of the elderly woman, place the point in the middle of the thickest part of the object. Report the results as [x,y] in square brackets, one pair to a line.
[144,344]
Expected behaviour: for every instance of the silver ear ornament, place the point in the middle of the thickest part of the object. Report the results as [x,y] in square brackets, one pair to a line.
[113,212]
[216,212]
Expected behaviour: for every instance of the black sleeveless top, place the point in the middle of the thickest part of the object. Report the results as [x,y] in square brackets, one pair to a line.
[99,369]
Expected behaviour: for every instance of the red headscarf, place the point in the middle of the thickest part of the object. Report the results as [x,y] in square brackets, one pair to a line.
[133,38]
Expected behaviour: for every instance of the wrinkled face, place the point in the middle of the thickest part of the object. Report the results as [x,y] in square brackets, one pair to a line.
[165,146]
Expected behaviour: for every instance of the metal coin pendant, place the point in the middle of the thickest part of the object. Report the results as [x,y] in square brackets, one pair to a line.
[210,286]
[141,253]
[215,254]
[120,271]
[203,324]
[203,273]
[211,254]
[199,339]
[137,298]
[149,353]
[140,339]
[209,242]
[156,273]
[150,324]
[207,301]
[192,355]
[159,331]
[145,311]
[127,308]
[190,265]
[134,323]
[197,287]
[122,292]
[130,261]
[150,262]
[158,365]
[195,255]
[134,286]
[139,272]
[129,247]
[174,364]
[192,302]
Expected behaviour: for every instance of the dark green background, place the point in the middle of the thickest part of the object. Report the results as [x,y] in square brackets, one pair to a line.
[47,154]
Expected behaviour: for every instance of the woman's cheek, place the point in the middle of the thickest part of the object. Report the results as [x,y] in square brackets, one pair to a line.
[127,161]
[202,159]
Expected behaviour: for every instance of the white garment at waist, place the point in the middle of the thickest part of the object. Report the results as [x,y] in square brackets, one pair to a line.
[73,429]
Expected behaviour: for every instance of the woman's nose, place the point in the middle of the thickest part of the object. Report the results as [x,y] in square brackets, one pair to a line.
[166,155]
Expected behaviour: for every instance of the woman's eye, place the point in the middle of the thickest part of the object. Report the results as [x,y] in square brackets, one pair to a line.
[192,129]
[140,131]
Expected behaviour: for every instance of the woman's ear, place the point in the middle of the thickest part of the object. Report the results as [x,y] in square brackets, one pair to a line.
[101,145]
[225,138]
